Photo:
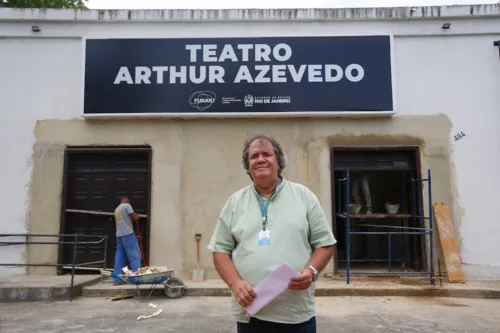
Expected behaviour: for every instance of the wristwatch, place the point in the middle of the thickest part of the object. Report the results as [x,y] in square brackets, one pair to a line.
[315,272]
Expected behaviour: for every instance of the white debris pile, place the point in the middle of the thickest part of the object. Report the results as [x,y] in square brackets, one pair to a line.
[144,270]
[151,315]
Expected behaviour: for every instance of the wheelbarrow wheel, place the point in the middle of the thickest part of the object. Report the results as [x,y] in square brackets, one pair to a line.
[174,287]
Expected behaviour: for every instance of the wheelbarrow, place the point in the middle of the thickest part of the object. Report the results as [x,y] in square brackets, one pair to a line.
[174,287]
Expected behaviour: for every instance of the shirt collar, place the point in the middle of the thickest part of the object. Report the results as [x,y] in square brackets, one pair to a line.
[281,183]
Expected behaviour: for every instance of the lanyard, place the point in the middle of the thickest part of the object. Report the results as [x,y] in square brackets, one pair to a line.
[264,205]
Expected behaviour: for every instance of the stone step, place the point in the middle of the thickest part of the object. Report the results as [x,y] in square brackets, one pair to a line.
[39,288]
[323,288]
[49,288]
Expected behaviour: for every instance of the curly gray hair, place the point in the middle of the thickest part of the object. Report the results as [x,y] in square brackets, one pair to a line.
[278,151]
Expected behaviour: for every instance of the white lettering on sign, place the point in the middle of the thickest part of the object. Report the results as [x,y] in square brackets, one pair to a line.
[261,52]
[174,74]
[263,69]
[309,73]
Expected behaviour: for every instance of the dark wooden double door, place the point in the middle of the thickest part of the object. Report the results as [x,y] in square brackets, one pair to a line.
[96,181]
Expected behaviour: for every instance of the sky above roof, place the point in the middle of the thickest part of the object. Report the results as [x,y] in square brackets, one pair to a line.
[217,4]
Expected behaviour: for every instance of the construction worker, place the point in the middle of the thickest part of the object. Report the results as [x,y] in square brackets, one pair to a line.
[127,246]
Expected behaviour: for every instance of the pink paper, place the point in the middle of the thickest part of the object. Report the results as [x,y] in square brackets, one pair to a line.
[271,287]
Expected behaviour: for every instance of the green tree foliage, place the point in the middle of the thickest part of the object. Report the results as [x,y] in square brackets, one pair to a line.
[78,4]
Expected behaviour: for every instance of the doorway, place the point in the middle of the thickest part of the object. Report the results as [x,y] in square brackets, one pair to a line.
[95,179]
[377,177]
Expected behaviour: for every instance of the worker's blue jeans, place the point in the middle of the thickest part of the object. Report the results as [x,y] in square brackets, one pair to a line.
[127,247]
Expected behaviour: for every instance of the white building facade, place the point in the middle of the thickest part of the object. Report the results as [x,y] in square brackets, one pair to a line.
[445,98]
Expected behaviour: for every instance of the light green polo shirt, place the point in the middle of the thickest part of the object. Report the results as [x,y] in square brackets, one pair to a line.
[297,225]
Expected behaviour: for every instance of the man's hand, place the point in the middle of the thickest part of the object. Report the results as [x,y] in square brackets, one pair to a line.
[303,281]
[243,292]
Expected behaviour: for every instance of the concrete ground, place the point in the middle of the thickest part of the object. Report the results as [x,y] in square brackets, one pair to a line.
[211,314]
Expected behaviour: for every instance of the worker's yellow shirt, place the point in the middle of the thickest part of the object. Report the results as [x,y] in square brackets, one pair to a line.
[297,225]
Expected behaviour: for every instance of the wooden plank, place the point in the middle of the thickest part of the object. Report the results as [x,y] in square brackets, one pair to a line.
[377,216]
[452,258]
[386,226]
[96,212]
[120,297]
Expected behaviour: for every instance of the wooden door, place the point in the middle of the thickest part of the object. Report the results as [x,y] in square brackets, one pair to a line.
[96,181]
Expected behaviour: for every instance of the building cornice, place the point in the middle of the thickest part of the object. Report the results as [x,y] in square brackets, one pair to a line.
[249,15]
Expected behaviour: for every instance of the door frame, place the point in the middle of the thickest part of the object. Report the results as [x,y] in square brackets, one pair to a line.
[418,165]
[100,150]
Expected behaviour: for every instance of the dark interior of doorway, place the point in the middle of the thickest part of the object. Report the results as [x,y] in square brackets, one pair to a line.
[388,172]
[95,179]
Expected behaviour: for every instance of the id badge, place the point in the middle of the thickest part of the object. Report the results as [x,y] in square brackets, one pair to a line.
[264,237]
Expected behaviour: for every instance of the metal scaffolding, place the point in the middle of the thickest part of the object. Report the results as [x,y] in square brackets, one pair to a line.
[425,231]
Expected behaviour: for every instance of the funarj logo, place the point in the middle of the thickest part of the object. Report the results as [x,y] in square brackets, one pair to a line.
[202,100]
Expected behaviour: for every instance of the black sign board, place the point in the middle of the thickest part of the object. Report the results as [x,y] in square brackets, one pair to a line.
[239,76]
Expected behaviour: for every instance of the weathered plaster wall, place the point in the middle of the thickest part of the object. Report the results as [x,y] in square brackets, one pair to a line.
[197,165]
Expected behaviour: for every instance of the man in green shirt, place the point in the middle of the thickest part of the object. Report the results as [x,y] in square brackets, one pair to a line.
[264,225]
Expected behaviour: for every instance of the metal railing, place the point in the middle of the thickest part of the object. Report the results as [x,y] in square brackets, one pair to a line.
[76,240]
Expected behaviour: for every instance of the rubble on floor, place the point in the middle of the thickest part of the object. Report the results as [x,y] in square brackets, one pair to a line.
[144,270]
